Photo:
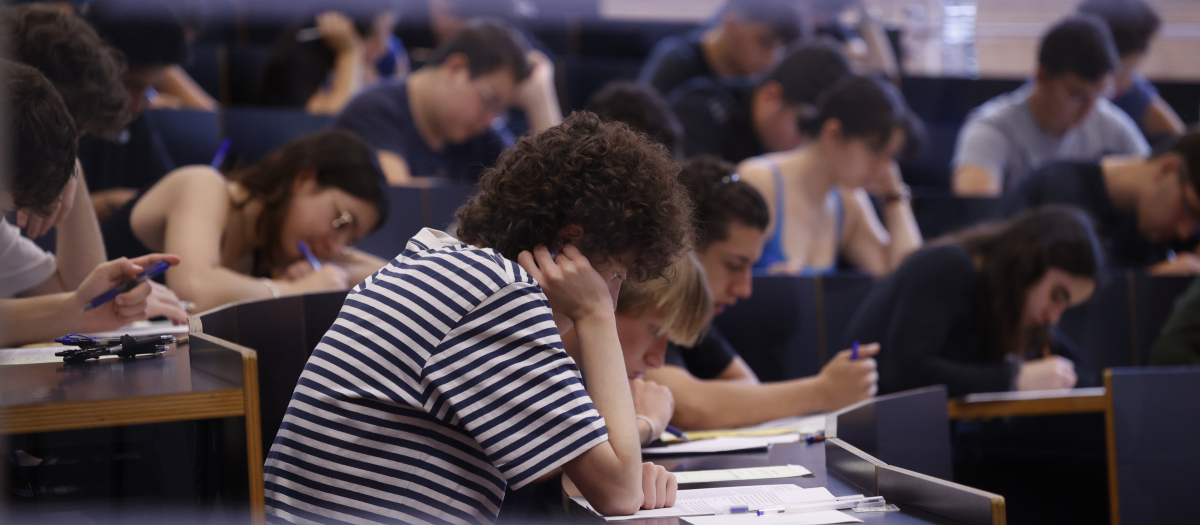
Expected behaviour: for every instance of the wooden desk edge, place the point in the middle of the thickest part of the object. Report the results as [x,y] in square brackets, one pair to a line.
[1110,435]
[959,409]
[187,406]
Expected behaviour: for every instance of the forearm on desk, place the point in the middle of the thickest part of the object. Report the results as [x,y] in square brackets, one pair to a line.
[709,404]
[38,319]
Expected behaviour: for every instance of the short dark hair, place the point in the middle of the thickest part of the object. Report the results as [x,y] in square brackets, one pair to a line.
[720,198]
[780,15]
[808,69]
[1188,149]
[620,187]
[641,108]
[1079,44]
[147,33]
[489,44]
[867,108]
[1132,22]
[84,70]
[1016,254]
[340,159]
[42,137]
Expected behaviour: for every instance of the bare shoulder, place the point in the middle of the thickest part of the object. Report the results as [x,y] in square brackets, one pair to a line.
[756,172]
[190,184]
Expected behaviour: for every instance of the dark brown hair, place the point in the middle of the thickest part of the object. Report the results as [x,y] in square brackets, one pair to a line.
[340,159]
[42,137]
[1015,254]
[489,45]
[641,108]
[868,108]
[721,198]
[617,184]
[84,70]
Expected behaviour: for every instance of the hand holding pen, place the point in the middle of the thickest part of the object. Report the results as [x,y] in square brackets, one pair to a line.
[113,295]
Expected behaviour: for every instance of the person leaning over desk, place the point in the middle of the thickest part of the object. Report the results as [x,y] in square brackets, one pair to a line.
[975,311]
[52,292]
[712,386]
[238,234]
[448,363]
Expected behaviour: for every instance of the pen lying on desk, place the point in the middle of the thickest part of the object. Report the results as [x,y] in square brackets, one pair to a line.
[845,502]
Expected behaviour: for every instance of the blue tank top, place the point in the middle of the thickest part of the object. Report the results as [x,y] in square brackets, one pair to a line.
[773,250]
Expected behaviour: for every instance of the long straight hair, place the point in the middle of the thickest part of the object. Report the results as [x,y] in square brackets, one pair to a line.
[1015,254]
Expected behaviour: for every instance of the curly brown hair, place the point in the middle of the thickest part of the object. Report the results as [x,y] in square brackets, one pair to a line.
[620,186]
[84,70]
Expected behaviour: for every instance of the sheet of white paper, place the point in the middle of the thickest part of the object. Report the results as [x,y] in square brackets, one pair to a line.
[741,474]
[31,355]
[144,328]
[697,502]
[801,424]
[807,518]
[728,444]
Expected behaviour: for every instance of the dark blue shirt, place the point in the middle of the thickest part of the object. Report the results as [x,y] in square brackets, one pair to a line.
[382,117]
[673,61]
[707,359]
[1082,184]
[1137,98]
[716,118]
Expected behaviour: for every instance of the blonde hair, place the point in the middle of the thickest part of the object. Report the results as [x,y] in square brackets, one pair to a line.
[684,299]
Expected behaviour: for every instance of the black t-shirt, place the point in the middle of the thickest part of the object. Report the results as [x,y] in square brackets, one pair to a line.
[137,159]
[934,327]
[673,61]
[1082,184]
[382,117]
[707,359]
[716,118]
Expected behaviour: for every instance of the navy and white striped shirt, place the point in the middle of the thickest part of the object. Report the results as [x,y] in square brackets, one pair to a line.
[442,381]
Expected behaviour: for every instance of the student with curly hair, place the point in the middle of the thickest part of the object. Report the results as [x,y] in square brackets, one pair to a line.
[444,380]
[41,296]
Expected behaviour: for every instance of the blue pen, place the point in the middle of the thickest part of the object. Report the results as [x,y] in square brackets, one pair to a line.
[308,254]
[222,151]
[153,271]
[677,433]
[854,351]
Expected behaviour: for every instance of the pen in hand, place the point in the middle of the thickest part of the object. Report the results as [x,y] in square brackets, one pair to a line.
[153,271]
[854,351]
[308,254]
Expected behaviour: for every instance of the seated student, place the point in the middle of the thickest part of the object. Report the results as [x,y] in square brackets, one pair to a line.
[1139,205]
[1133,23]
[151,38]
[1061,115]
[975,311]
[736,120]
[44,185]
[459,387]
[712,386]
[323,74]
[742,39]
[238,234]
[1179,341]
[649,314]
[817,193]
[640,108]
[437,122]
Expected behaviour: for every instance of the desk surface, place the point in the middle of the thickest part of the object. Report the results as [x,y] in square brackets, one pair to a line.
[62,396]
[808,456]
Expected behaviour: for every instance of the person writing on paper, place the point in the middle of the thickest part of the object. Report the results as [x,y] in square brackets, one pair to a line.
[975,312]
[238,234]
[818,193]
[41,296]
[711,385]
[449,364]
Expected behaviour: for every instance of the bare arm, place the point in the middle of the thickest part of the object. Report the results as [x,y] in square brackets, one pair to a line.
[738,370]
[338,32]
[177,83]
[876,247]
[972,180]
[79,246]
[708,404]
[1161,119]
[536,95]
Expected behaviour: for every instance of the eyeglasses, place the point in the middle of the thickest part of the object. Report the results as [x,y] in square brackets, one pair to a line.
[491,102]
[343,220]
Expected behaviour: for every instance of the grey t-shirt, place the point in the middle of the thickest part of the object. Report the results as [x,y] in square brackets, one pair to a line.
[1003,136]
[22,264]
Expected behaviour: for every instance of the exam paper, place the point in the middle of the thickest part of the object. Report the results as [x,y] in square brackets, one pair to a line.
[789,425]
[728,444]
[741,474]
[32,355]
[698,502]
[806,518]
